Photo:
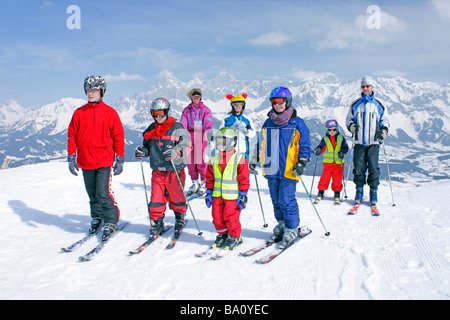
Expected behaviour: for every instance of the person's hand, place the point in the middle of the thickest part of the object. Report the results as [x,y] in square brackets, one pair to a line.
[242,200]
[73,167]
[118,167]
[300,166]
[208,198]
[141,152]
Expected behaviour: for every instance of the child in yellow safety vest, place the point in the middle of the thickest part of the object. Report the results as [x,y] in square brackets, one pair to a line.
[334,148]
[227,183]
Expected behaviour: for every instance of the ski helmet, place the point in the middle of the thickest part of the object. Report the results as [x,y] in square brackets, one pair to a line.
[95,82]
[226,137]
[160,104]
[282,92]
[331,124]
[237,98]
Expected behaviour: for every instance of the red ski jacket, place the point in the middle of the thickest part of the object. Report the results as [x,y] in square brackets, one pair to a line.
[95,136]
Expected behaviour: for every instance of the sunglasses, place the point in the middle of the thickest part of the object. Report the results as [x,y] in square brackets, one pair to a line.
[277,101]
[365,86]
[158,114]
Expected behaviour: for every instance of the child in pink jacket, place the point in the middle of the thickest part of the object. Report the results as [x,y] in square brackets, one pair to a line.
[197,119]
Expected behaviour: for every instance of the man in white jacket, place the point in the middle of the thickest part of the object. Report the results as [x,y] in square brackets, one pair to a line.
[368,123]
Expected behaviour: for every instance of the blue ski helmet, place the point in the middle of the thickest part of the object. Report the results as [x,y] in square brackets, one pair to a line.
[282,92]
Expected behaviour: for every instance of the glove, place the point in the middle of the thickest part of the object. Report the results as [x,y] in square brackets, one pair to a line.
[299,166]
[208,198]
[382,134]
[353,127]
[141,152]
[252,166]
[317,151]
[118,167]
[72,164]
[341,155]
[242,200]
[171,153]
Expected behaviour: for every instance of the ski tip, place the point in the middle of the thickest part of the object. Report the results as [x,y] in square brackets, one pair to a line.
[66,250]
[84,259]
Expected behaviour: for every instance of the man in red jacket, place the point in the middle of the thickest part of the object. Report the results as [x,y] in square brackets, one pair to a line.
[95,140]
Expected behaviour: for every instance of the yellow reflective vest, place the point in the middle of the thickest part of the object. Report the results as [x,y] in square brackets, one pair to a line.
[226,184]
[331,154]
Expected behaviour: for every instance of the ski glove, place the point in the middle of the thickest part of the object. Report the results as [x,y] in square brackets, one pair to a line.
[118,167]
[382,134]
[141,152]
[341,155]
[208,198]
[299,166]
[171,153]
[317,151]
[353,127]
[72,164]
[242,200]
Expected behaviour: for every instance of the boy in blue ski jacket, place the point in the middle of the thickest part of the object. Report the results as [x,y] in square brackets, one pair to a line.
[284,148]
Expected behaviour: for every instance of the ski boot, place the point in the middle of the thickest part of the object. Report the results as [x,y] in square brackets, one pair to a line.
[288,237]
[220,240]
[373,197]
[96,224]
[156,228]
[319,196]
[108,231]
[232,242]
[359,195]
[337,197]
[278,232]
[179,221]
[201,187]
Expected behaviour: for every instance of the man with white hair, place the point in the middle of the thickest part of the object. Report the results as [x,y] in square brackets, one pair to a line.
[368,123]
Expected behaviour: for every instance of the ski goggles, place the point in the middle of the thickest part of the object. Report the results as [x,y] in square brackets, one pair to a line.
[237,104]
[158,113]
[222,141]
[332,129]
[195,97]
[277,101]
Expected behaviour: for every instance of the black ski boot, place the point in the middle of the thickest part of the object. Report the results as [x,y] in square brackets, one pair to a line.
[157,228]
[337,197]
[179,221]
[108,231]
[232,242]
[96,224]
[220,240]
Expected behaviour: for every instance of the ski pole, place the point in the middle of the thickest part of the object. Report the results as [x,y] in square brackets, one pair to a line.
[345,188]
[187,202]
[145,186]
[314,175]
[260,203]
[327,233]
[389,174]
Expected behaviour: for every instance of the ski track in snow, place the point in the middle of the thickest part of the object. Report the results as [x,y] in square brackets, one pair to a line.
[402,254]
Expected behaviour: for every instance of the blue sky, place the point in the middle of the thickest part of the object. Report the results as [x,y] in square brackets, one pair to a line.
[131,42]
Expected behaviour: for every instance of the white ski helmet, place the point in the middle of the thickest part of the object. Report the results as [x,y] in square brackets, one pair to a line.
[95,82]
[160,104]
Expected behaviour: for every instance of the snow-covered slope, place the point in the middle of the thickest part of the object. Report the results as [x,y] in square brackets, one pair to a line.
[403,254]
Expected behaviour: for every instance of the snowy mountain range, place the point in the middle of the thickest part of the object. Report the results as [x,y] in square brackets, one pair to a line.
[418,142]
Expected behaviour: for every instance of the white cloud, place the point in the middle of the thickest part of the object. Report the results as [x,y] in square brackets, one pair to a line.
[442,7]
[344,35]
[123,77]
[309,74]
[276,38]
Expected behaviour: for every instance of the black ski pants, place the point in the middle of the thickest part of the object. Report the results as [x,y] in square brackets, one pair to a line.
[366,157]
[101,198]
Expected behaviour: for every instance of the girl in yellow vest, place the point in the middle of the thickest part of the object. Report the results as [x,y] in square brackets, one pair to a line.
[334,148]
[227,183]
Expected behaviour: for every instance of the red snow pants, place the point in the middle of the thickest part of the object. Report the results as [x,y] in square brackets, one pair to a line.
[166,188]
[331,170]
[225,214]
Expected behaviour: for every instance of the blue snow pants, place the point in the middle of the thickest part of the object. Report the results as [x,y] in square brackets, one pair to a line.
[285,206]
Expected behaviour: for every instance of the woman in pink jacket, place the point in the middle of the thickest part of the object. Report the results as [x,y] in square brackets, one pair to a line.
[197,119]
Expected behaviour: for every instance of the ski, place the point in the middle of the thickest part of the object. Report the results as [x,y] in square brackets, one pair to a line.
[210,251]
[256,249]
[79,243]
[150,240]
[192,196]
[224,251]
[91,254]
[176,235]
[304,231]
[375,211]
[355,208]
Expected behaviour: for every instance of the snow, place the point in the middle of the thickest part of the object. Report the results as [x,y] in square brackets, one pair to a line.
[403,254]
